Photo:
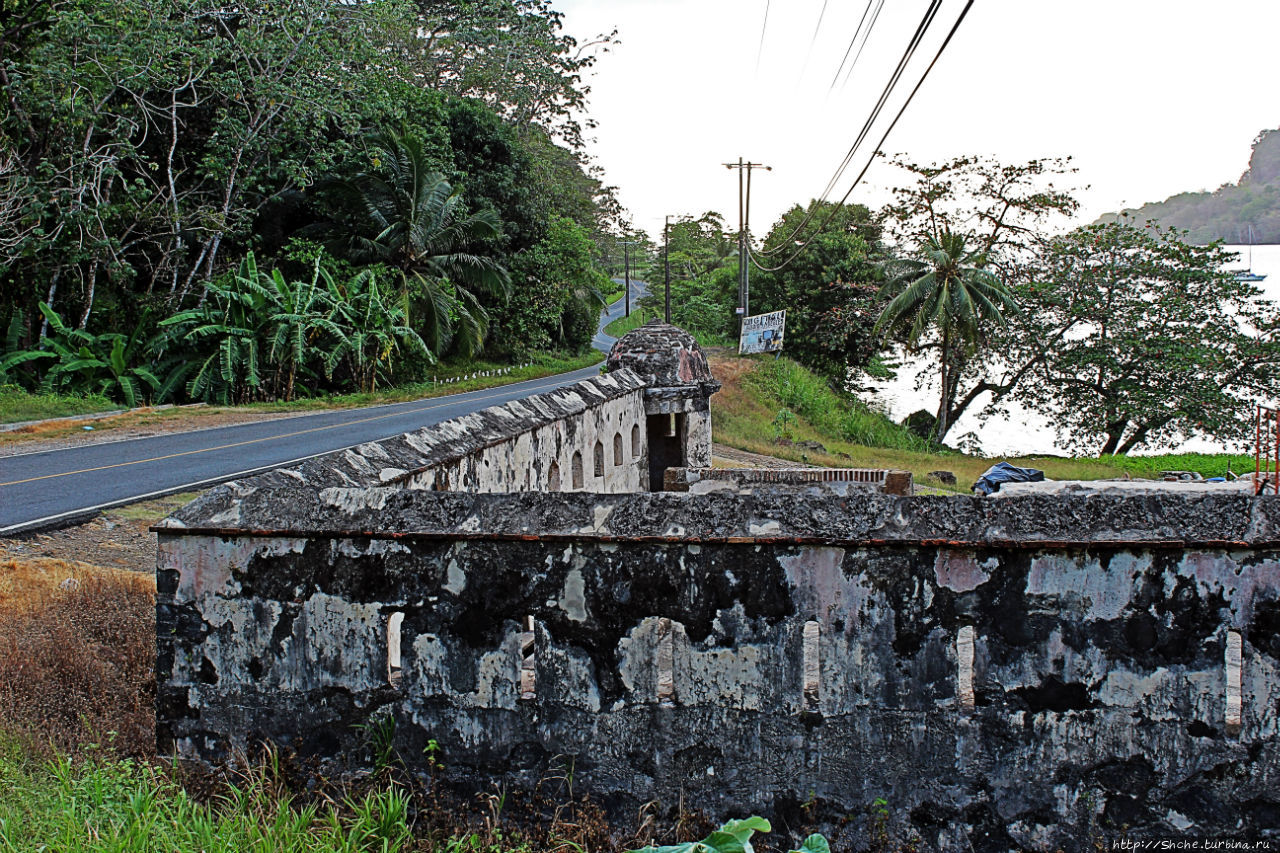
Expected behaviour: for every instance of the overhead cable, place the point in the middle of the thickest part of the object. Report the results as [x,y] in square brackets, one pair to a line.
[925,22]
[809,53]
[870,160]
[852,42]
[875,16]
[764,26]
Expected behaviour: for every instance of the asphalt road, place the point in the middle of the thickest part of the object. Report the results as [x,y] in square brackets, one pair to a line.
[57,487]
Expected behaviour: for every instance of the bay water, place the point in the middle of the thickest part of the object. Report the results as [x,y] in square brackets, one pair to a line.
[1024,432]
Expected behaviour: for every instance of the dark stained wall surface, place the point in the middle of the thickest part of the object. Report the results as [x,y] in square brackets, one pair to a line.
[1024,673]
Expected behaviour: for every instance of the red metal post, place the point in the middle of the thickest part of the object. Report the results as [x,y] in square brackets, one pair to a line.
[1266,431]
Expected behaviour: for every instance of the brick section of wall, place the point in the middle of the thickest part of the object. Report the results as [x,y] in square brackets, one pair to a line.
[862,479]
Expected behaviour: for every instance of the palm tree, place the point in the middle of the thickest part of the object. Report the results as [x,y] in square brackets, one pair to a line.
[419,226]
[948,288]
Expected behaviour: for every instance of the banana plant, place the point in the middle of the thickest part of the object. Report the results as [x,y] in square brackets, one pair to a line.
[375,327]
[111,364]
[735,837]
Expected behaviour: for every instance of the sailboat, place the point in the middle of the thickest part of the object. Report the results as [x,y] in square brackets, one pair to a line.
[1249,274]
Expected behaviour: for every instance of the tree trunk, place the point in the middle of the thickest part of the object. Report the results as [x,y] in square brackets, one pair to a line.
[942,423]
[53,290]
[88,306]
[1115,431]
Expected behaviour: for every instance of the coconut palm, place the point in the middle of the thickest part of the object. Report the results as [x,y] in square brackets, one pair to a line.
[420,226]
[946,289]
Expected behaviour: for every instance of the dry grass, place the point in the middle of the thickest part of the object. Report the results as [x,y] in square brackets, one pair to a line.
[77,652]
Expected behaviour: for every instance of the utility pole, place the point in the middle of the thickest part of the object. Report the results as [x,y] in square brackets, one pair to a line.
[626,267]
[666,263]
[744,230]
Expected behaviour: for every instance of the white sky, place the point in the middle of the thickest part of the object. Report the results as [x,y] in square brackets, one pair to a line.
[1151,97]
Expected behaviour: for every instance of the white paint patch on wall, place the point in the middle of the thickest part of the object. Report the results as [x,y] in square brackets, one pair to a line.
[1102,592]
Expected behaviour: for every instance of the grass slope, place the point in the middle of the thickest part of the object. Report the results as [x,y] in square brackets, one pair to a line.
[17,405]
[768,406]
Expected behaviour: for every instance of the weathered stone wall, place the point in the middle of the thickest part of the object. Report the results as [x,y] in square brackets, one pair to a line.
[535,444]
[1017,673]
[588,437]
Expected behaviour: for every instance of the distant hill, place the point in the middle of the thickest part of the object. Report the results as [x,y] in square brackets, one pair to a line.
[1227,212]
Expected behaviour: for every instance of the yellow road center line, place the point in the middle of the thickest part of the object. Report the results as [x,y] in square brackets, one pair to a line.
[250,441]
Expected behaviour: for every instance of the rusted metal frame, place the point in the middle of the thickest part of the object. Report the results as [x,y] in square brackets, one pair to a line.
[1266,468]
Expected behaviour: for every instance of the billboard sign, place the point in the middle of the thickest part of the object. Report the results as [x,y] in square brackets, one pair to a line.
[763,332]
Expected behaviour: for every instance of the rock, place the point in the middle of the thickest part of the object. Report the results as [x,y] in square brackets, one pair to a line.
[947,478]
[815,446]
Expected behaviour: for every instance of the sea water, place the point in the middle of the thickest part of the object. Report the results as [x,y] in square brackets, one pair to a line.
[1023,432]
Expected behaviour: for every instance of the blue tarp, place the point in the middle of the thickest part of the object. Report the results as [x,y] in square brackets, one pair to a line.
[1003,472]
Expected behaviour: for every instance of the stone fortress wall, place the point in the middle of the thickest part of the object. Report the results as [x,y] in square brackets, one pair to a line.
[1018,673]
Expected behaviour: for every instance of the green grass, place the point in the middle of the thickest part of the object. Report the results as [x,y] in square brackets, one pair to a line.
[1207,464]
[17,405]
[447,379]
[625,323]
[614,295]
[746,415]
[120,805]
[809,396]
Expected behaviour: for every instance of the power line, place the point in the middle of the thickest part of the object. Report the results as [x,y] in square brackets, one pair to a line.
[925,22]
[852,42]
[879,145]
[764,26]
[809,53]
[875,16]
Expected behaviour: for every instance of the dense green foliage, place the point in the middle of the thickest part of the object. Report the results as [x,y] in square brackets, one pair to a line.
[1244,212]
[826,284]
[148,146]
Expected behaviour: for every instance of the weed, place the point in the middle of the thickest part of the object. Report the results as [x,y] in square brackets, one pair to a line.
[782,423]
[735,837]
[432,751]
[380,736]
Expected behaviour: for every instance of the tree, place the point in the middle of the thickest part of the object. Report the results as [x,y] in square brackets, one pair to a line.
[513,55]
[950,290]
[997,214]
[402,213]
[1135,338]
[826,282]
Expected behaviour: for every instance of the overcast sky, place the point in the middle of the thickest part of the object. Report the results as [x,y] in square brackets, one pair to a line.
[1151,97]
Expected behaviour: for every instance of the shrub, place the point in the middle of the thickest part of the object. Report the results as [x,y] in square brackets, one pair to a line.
[77,656]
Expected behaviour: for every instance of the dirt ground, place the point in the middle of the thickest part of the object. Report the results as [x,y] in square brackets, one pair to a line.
[62,434]
[117,539]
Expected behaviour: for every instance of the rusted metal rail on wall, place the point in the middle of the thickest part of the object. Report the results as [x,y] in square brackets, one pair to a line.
[1266,450]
